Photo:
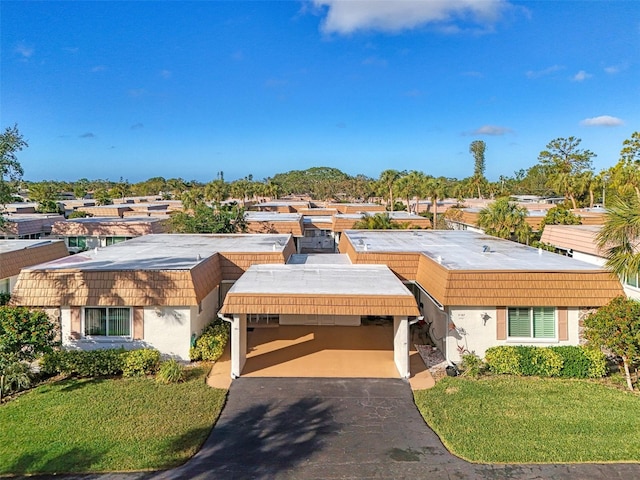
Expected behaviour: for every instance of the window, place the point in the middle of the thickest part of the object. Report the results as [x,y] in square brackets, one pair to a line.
[107,321]
[536,322]
[632,280]
[77,242]
[114,240]
[5,283]
[263,318]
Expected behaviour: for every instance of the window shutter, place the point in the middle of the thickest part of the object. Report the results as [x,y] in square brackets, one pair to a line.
[563,323]
[544,322]
[138,323]
[501,323]
[519,322]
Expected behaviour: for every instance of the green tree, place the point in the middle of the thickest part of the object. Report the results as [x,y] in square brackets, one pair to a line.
[505,219]
[46,195]
[121,189]
[410,186]
[565,163]
[435,189]
[191,198]
[24,336]
[205,219]
[11,141]
[477,148]
[81,188]
[217,190]
[102,196]
[619,236]
[387,184]
[559,216]
[615,327]
[378,221]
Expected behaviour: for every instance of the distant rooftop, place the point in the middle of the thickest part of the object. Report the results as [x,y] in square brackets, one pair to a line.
[144,219]
[14,245]
[319,259]
[464,250]
[272,217]
[167,252]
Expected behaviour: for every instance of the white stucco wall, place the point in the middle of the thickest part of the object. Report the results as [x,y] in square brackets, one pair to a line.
[475,335]
[168,329]
[208,312]
[592,259]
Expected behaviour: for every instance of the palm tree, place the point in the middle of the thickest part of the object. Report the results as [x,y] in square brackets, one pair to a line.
[410,186]
[217,190]
[435,189]
[379,221]
[387,183]
[619,237]
[505,219]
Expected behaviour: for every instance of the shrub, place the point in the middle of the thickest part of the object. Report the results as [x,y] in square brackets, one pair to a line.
[472,364]
[79,363]
[137,363]
[597,362]
[210,345]
[170,372]
[503,360]
[14,377]
[4,298]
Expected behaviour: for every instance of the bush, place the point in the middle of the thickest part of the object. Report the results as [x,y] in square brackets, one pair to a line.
[136,363]
[472,364]
[4,298]
[503,360]
[561,361]
[170,372]
[210,345]
[15,376]
[79,363]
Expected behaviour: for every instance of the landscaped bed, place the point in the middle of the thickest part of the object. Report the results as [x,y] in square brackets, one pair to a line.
[504,419]
[94,425]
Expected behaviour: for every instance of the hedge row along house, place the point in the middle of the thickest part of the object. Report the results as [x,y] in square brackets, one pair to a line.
[473,291]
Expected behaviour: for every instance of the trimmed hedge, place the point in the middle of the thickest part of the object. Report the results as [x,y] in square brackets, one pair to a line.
[100,363]
[564,361]
[210,345]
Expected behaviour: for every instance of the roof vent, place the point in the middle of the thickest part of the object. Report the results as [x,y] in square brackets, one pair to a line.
[439,258]
[539,251]
[198,258]
[486,248]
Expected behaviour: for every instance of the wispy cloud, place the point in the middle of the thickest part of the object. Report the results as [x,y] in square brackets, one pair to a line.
[276,83]
[166,74]
[98,68]
[490,130]
[613,69]
[87,135]
[24,50]
[137,126]
[137,92]
[414,93]
[72,50]
[473,74]
[544,72]
[581,76]
[602,121]
[237,56]
[374,61]
[347,16]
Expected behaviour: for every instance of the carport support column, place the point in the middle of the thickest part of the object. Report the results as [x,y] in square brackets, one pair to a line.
[238,344]
[401,345]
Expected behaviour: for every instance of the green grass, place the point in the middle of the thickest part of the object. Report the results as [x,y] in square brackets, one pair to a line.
[107,425]
[533,420]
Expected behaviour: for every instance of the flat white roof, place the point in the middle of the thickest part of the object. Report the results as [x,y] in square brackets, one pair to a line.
[319,259]
[14,245]
[167,251]
[317,219]
[464,250]
[320,280]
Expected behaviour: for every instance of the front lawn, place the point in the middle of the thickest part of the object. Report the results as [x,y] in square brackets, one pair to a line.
[94,425]
[524,420]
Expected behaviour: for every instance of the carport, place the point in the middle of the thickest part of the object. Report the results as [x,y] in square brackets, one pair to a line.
[335,295]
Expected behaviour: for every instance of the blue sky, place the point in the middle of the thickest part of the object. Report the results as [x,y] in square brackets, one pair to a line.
[186,89]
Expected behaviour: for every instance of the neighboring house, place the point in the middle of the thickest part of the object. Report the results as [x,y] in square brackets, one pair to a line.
[273,222]
[80,234]
[580,242]
[156,290]
[478,291]
[28,225]
[18,254]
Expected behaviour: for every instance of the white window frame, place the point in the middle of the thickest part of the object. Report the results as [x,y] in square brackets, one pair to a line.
[107,337]
[532,339]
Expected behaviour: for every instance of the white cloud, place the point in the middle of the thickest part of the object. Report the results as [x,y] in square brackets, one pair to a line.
[613,69]
[87,135]
[414,93]
[24,50]
[581,76]
[473,74]
[165,73]
[492,130]
[137,126]
[602,121]
[544,72]
[374,61]
[348,16]
[98,68]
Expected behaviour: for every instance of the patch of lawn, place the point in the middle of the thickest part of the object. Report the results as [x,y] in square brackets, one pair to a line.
[533,420]
[107,425]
